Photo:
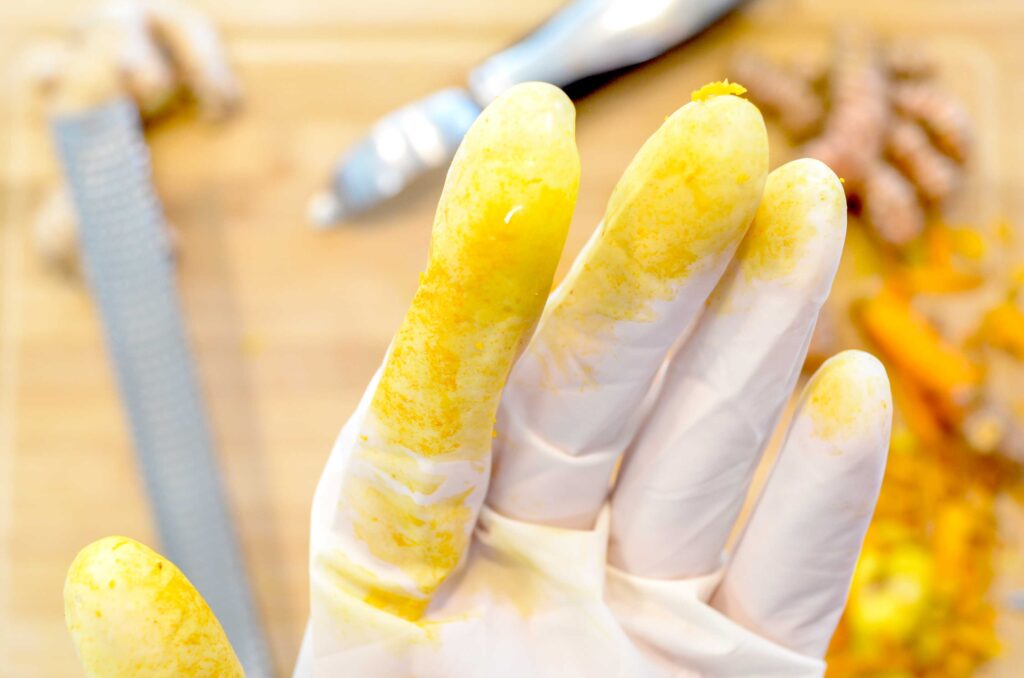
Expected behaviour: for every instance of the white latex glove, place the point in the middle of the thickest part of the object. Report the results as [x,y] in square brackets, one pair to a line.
[672,345]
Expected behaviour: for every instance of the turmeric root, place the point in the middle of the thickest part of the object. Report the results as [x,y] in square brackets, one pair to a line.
[780,92]
[891,204]
[56,234]
[933,174]
[150,50]
[896,139]
[944,117]
[855,128]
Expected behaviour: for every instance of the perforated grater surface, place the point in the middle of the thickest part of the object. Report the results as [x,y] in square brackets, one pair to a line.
[124,246]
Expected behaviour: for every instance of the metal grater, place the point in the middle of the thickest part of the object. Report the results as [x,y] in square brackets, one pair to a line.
[124,246]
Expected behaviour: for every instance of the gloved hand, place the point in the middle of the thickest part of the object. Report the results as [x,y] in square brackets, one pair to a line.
[672,345]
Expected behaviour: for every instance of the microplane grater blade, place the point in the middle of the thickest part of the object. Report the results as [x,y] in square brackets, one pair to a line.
[124,246]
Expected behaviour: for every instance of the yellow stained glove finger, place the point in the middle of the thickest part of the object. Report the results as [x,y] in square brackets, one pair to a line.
[685,476]
[400,499]
[671,227]
[131,612]
[790,573]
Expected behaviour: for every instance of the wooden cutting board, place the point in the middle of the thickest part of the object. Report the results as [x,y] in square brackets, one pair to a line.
[288,324]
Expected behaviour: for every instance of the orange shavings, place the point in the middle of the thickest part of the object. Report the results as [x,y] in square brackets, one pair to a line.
[1003,327]
[912,343]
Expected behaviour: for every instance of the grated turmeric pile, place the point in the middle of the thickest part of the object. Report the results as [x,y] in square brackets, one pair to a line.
[921,601]
[945,312]
[875,116]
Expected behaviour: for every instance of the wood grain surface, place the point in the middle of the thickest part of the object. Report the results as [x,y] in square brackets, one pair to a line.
[287,323]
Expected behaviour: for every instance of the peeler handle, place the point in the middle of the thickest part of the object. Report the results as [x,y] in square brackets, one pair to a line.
[592,37]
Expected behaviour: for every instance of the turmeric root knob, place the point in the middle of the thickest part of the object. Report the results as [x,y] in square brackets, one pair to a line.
[891,205]
[780,92]
[858,89]
[896,139]
[935,176]
[944,117]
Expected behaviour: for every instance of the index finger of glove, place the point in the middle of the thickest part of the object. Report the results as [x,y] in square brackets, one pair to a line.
[396,505]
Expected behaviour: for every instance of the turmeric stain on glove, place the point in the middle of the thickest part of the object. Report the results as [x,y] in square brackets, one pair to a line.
[498,235]
[367,598]
[425,540]
[683,203]
[846,394]
[803,200]
[424,447]
[131,612]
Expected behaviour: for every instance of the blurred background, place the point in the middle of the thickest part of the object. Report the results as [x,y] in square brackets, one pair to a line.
[916,103]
